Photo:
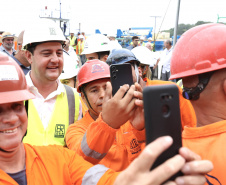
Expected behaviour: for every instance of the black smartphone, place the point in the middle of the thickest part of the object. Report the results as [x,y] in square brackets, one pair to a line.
[121,74]
[162,117]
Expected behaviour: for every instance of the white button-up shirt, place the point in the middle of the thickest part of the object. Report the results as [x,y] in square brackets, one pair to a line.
[166,58]
[45,106]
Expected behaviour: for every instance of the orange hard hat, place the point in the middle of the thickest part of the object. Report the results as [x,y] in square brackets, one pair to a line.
[92,70]
[199,50]
[13,86]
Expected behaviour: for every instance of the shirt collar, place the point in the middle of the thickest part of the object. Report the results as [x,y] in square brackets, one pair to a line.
[3,48]
[60,88]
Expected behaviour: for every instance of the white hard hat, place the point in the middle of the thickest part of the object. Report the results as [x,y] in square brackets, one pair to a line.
[69,70]
[81,36]
[149,38]
[144,55]
[96,43]
[42,31]
[142,38]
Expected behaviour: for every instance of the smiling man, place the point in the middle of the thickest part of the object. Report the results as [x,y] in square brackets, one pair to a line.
[7,40]
[51,111]
[22,164]
[113,146]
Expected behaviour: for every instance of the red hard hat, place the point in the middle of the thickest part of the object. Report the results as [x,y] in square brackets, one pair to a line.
[199,50]
[92,70]
[13,86]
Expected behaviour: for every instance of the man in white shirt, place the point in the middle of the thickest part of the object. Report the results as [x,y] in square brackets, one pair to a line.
[165,60]
[70,50]
[50,113]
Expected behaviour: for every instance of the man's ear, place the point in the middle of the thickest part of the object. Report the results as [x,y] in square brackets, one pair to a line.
[104,58]
[224,86]
[28,56]
[83,97]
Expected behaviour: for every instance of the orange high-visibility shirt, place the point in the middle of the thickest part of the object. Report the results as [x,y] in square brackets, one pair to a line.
[97,142]
[55,165]
[209,142]
[188,117]
[84,106]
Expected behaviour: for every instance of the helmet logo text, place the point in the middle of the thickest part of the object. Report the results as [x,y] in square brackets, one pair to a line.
[96,68]
[52,31]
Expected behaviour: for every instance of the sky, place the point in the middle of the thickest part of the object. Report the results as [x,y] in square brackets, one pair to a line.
[109,15]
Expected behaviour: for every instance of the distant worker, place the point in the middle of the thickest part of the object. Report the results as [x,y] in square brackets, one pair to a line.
[20,57]
[113,42]
[7,41]
[72,39]
[149,46]
[142,41]
[97,47]
[166,59]
[69,49]
[55,106]
[65,27]
[147,60]
[83,33]
[134,43]
[80,48]
[150,39]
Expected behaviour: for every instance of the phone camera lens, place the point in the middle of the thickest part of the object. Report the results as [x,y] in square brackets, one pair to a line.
[113,68]
[114,77]
[165,110]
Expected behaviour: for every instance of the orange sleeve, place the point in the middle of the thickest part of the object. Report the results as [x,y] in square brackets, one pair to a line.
[83,172]
[91,140]
[188,117]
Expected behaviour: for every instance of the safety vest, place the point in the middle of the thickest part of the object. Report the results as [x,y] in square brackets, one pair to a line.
[72,41]
[143,44]
[58,124]
[80,49]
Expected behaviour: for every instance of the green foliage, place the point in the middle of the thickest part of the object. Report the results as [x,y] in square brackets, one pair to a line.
[184,27]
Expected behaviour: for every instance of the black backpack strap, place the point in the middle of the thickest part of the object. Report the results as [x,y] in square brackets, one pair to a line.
[71,103]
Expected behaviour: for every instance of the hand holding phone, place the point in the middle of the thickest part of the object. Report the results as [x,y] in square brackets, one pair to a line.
[121,74]
[162,118]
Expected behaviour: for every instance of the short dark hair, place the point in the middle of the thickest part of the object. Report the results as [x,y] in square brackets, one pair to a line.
[135,37]
[169,42]
[102,54]
[31,47]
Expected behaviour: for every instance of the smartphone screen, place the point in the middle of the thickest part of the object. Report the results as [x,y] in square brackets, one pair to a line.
[162,117]
[121,74]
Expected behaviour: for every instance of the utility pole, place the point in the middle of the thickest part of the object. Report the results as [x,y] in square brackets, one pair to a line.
[176,24]
[155,29]
[60,13]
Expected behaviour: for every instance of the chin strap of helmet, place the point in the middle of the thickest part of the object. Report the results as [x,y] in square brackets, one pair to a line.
[194,92]
[82,89]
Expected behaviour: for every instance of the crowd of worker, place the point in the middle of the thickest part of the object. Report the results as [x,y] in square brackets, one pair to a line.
[60,123]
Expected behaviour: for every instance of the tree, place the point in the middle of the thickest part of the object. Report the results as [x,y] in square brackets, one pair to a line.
[184,27]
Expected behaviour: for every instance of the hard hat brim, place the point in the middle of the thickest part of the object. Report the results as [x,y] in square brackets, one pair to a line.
[15,96]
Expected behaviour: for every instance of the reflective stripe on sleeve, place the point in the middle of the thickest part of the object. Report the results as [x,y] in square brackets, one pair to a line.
[93,175]
[89,152]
